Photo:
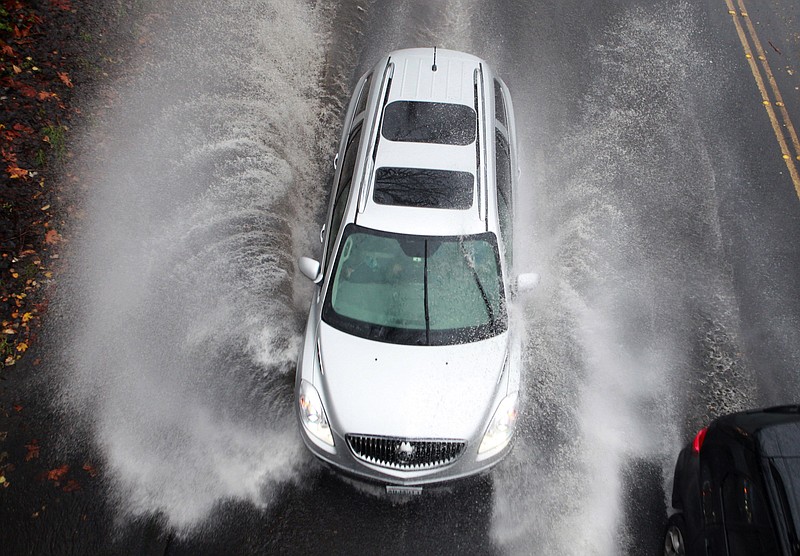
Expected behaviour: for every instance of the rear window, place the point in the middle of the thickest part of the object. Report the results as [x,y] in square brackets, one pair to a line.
[429,122]
[425,188]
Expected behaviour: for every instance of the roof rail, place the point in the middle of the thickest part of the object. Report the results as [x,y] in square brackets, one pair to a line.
[482,193]
[374,135]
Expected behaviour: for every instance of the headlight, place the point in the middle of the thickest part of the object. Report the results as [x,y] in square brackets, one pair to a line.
[312,414]
[501,427]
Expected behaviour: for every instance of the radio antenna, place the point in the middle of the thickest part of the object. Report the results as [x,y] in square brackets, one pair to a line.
[434,59]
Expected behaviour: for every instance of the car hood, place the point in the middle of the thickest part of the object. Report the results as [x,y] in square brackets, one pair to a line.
[384,389]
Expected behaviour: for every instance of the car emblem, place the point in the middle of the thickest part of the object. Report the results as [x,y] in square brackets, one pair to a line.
[405,452]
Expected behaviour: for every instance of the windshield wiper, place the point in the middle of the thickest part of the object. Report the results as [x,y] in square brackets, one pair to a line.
[471,265]
[425,299]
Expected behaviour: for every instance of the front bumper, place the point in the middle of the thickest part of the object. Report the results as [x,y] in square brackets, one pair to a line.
[342,459]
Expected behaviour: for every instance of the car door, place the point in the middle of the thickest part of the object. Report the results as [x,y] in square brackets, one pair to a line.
[345,166]
[716,462]
[342,192]
[748,528]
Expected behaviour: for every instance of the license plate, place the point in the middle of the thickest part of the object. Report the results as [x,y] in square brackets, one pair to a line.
[405,490]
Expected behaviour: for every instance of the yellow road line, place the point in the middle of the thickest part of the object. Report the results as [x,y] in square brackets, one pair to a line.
[762,56]
[776,126]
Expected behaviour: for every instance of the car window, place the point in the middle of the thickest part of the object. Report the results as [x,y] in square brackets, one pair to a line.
[430,122]
[350,155]
[343,189]
[504,193]
[747,520]
[499,104]
[362,99]
[415,187]
[416,290]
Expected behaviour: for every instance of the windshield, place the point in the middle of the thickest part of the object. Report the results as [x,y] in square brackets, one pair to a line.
[416,290]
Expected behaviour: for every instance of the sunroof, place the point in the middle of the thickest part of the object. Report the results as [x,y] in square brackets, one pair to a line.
[415,187]
[429,122]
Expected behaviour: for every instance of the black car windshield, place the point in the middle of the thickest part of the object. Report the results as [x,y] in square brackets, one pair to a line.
[417,290]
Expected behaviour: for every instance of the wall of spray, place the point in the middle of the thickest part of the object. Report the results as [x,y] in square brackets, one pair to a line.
[180,303]
[626,236]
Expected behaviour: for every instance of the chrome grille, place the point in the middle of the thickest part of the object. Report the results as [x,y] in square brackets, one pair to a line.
[404,453]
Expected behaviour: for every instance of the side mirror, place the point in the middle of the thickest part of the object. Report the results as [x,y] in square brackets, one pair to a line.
[310,269]
[526,282]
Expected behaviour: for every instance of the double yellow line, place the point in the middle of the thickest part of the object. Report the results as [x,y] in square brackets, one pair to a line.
[788,141]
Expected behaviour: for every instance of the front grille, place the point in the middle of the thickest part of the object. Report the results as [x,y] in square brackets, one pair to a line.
[404,453]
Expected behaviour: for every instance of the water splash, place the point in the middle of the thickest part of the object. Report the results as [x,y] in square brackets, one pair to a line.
[632,257]
[207,182]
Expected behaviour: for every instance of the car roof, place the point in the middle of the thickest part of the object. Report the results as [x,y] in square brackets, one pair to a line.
[774,431]
[781,439]
[453,81]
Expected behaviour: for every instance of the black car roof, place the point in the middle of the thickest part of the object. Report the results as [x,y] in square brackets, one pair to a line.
[781,439]
[774,431]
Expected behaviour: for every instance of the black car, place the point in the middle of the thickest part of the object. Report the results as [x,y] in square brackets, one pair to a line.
[737,487]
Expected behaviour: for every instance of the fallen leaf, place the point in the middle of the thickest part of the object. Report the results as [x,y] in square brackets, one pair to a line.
[7,50]
[16,69]
[26,90]
[90,469]
[52,237]
[71,486]
[33,450]
[64,77]
[22,347]
[58,473]
[15,172]
[22,128]
[17,407]
[61,4]
[8,156]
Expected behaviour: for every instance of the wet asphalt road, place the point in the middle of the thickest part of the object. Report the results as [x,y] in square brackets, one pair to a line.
[652,110]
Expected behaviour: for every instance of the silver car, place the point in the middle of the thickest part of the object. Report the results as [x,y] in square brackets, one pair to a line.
[409,373]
